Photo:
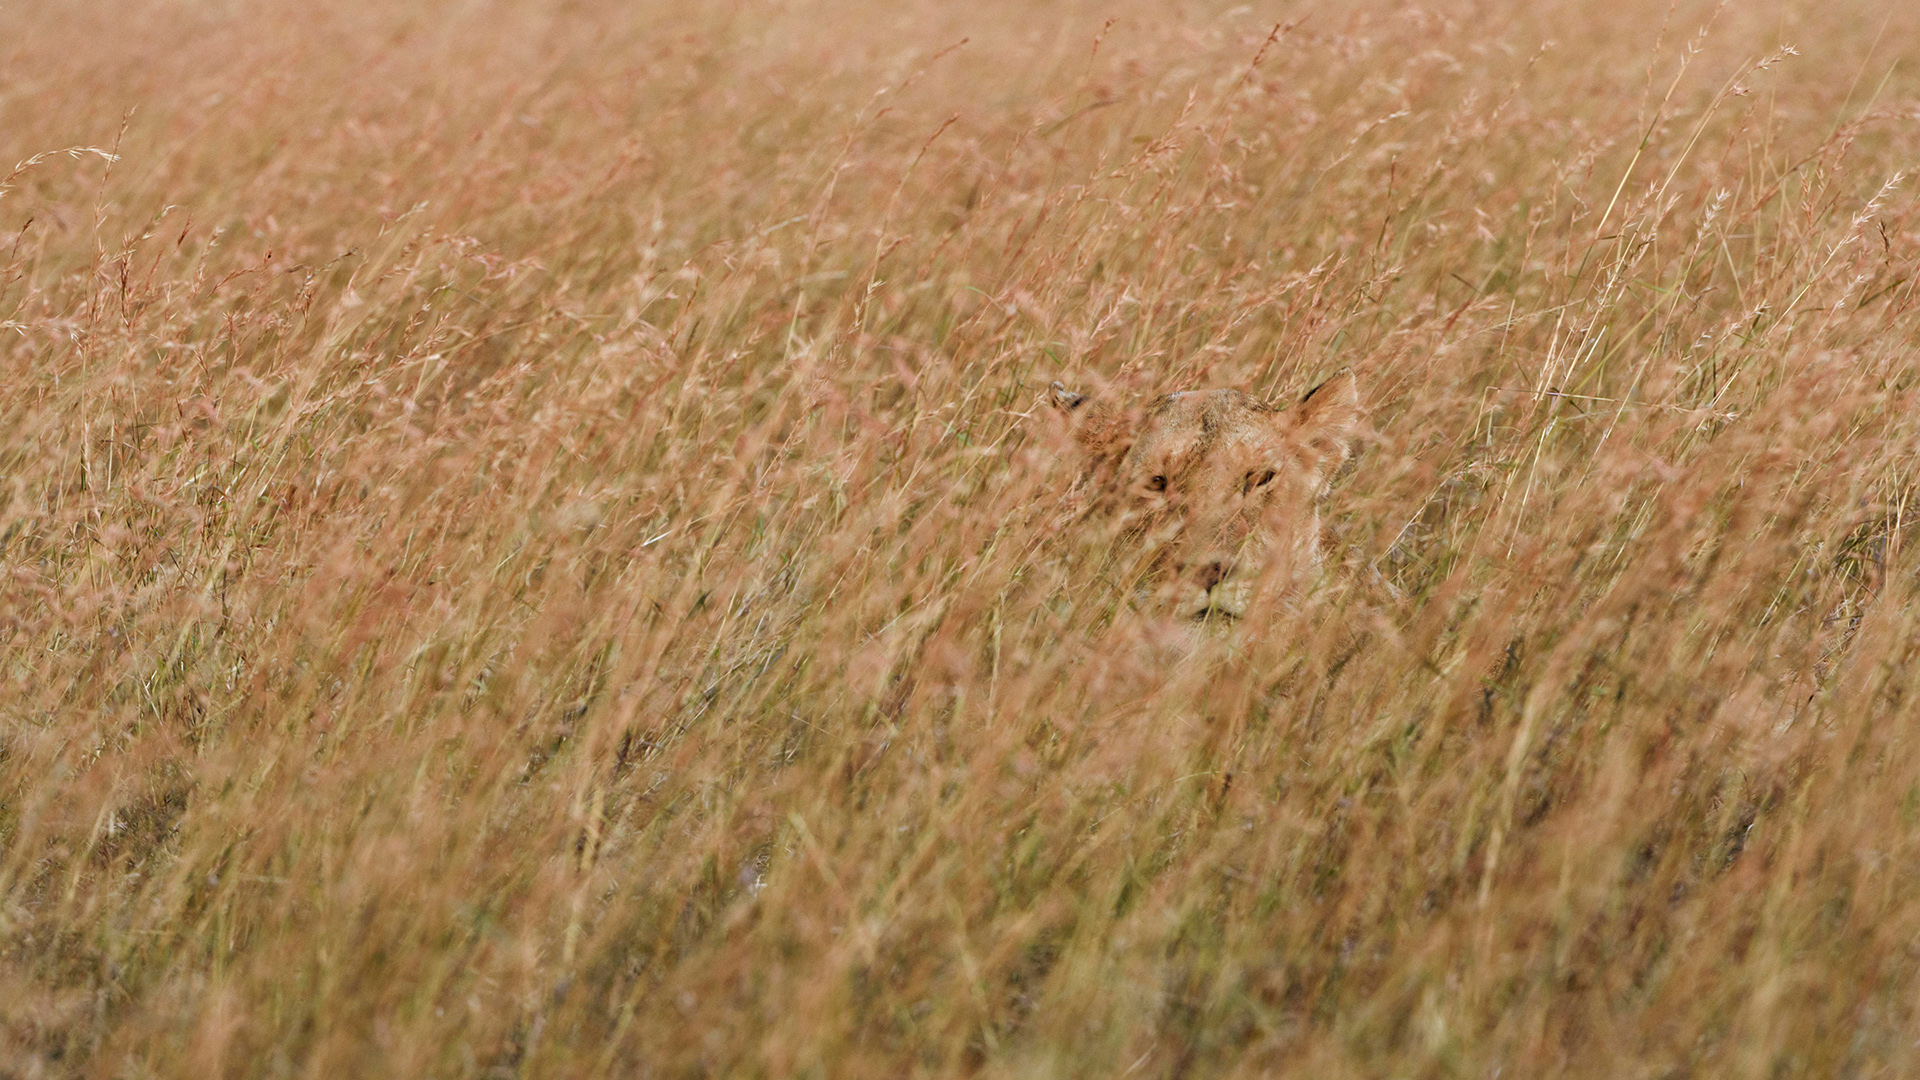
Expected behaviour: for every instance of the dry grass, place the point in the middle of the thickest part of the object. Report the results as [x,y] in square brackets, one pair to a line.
[528,549]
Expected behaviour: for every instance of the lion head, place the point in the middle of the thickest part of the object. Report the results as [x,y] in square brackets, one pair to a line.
[1222,491]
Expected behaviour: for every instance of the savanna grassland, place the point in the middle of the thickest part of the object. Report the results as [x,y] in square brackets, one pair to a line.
[530,542]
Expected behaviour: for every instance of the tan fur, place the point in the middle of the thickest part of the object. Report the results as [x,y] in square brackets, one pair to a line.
[1227,487]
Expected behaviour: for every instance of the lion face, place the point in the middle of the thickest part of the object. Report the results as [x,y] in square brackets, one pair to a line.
[1221,490]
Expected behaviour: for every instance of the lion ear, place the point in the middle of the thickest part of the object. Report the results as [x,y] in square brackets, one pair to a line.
[1325,421]
[1100,425]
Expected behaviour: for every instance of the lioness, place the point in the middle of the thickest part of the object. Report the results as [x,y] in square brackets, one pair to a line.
[1225,488]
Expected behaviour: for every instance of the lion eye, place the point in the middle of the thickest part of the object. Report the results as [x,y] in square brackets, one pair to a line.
[1156,483]
[1258,478]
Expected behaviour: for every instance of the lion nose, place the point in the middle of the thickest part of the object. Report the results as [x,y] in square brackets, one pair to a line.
[1213,573]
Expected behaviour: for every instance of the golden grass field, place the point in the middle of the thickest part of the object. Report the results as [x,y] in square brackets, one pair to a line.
[530,543]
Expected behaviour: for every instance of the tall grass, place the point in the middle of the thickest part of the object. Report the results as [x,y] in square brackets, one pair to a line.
[532,546]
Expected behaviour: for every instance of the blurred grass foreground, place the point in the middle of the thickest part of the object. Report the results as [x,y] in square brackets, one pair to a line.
[530,545]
